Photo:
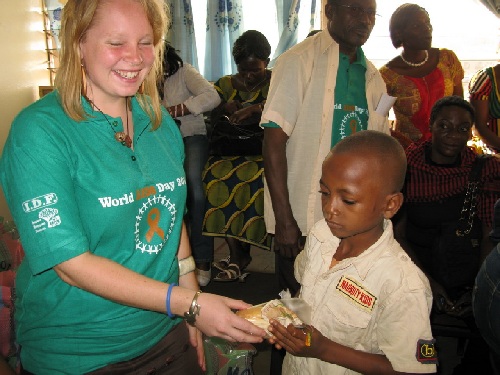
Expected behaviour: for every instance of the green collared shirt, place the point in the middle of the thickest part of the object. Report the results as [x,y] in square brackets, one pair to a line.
[350,106]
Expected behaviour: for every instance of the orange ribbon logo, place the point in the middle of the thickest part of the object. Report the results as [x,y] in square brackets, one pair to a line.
[153,220]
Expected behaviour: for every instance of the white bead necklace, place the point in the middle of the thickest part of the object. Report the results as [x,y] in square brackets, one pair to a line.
[416,65]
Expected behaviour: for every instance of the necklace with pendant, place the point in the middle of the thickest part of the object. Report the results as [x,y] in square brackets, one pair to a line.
[257,85]
[121,137]
[415,65]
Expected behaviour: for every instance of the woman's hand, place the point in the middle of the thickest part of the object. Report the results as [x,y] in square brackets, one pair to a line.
[299,342]
[245,113]
[217,319]
[196,339]
[233,106]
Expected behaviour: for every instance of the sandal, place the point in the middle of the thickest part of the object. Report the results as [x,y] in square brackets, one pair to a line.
[231,273]
[222,264]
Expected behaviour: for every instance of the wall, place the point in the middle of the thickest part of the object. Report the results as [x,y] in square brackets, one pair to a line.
[23,66]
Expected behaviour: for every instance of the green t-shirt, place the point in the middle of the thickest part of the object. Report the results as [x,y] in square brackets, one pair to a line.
[350,107]
[71,188]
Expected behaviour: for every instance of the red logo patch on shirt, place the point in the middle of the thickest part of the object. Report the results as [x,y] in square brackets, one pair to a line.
[356,293]
[426,352]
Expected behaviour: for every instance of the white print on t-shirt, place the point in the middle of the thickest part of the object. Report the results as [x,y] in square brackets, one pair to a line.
[353,120]
[144,192]
[350,108]
[48,218]
[40,202]
[155,236]
[150,236]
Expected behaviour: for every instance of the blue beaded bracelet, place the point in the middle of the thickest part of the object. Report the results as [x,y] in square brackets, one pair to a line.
[167,302]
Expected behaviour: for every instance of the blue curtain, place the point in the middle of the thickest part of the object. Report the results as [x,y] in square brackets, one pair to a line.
[181,33]
[313,14]
[288,23]
[224,26]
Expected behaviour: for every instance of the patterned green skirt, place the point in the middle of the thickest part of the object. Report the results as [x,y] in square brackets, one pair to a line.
[235,199]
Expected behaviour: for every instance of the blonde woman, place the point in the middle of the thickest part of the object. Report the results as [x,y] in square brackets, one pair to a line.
[93,175]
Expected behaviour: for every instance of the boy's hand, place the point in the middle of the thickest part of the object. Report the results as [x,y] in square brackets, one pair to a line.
[299,342]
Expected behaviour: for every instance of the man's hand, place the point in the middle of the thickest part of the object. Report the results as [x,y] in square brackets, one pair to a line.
[288,239]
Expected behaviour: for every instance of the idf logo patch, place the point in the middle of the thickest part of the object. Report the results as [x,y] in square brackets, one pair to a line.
[356,293]
[426,352]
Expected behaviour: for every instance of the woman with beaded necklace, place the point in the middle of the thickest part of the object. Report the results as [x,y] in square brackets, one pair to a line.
[420,75]
[93,175]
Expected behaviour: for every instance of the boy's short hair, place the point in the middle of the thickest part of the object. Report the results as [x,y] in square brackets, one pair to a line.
[379,145]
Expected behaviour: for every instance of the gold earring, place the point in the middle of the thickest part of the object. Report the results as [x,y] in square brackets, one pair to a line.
[84,82]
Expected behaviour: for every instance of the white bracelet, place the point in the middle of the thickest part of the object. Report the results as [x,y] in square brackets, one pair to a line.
[182,110]
[186,265]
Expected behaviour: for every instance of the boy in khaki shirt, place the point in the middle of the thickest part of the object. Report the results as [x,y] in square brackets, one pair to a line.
[370,302]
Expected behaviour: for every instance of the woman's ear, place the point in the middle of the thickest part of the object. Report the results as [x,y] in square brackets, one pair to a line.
[393,204]
[398,38]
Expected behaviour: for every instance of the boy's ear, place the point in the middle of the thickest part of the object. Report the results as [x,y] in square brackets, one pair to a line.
[393,204]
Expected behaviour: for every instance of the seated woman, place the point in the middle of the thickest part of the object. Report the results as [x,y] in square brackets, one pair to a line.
[186,95]
[436,194]
[483,89]
[420,75]
[234,183]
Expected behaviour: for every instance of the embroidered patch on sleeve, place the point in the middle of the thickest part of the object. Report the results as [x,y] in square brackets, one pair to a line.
[356,293]
[426,352]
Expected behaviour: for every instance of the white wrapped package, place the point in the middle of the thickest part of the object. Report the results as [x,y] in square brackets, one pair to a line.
[274,309]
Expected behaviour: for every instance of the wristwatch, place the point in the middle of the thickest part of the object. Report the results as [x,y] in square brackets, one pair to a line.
[194,309]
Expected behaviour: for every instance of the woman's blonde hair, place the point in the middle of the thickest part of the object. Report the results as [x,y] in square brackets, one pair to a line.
[77,18]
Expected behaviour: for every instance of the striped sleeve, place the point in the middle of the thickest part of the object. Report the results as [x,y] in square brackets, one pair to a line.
[480,86]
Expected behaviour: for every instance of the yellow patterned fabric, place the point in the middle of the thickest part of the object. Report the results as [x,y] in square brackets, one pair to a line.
[235,199]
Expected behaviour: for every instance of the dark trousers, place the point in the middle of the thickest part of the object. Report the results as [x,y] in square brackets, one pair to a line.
[486,304]
[196,150]
[171,355]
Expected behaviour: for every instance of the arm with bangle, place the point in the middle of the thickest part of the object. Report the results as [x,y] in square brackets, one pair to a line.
[187,279]
[178,110]
[110,280]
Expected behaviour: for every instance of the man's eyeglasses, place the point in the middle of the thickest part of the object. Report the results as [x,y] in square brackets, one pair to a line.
[356,11]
